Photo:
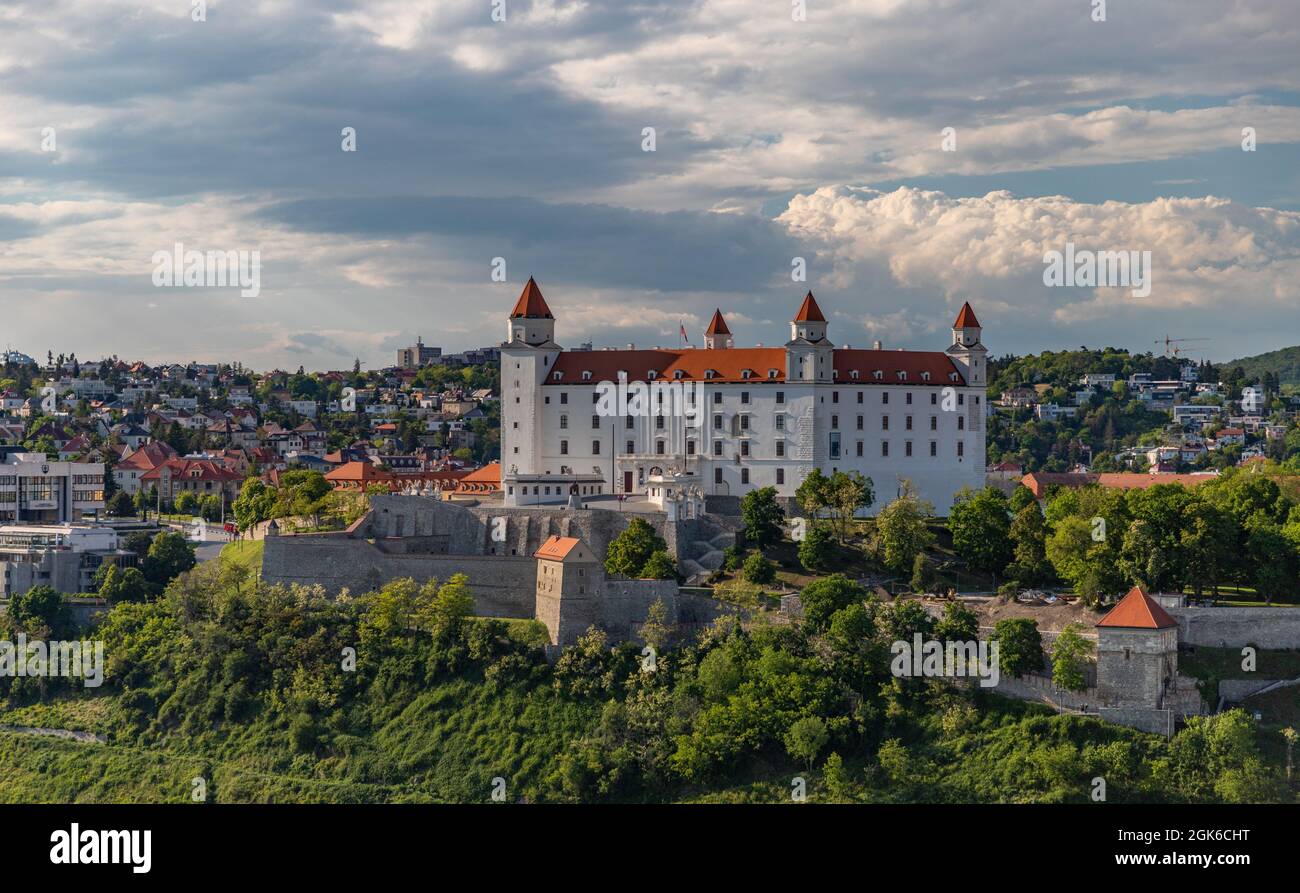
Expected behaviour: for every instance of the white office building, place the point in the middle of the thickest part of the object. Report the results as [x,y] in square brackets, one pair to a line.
[733,419]
[35,490]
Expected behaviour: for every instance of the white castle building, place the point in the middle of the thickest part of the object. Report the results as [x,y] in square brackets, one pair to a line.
[734,419]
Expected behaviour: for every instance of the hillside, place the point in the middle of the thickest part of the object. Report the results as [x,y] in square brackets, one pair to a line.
[241,685]
[1284,363]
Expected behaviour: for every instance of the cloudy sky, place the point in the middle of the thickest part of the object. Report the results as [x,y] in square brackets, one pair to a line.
[523,139]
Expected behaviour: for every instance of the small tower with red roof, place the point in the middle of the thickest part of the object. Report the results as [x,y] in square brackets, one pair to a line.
[1137,652]
[717,336]
[967,352]
[809,353]
[531,322]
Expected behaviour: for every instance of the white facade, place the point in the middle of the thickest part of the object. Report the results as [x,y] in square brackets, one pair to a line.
[34,490]
[1252,400]
[769,415]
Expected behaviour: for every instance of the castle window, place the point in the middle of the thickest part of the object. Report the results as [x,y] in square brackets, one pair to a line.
[780,449]
[771,373]
[780,476]
[925,376]
[678,374]
[586,375]
[780,397]
[709,373]
[952,376]
[877,375]
[564,421]
[652,374]
[902,375]
[564,448]
[854,374]
[746,373]
[557,376]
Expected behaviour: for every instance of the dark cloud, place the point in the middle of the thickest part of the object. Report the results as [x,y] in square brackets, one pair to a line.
[591,245]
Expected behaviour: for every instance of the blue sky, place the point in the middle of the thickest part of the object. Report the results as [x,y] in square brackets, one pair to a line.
[523,139]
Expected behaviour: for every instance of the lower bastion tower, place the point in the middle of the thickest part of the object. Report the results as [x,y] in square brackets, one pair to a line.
[722,420]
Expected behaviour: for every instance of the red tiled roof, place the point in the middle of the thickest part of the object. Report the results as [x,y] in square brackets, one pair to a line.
[357,471]
[557,548]
[531,304]
[1039,481]
[966,318]
[206,469]
[1137,610]
[809,311]
[729,365]
[889,363]
[717,325]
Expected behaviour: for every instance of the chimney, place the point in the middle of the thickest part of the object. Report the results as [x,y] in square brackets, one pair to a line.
[877,346]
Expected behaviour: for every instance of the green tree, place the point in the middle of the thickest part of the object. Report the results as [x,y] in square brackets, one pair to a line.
[901,530]
[631,549]
[1020,647]
[40,611]
[958,624]
[121,505]
[981,529]
[170,555]
[1029,566]
[762,516]
[1070,655]
[820,599]
[923,575]
[815,549]
[659,566]
[123,585]
[758,570]
[805,739]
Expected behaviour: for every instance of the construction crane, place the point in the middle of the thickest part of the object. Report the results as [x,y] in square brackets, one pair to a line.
[1171,344]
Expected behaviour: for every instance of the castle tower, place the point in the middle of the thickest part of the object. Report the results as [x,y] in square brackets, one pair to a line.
[570,583]
[966,350]
[1137,652]
[717,335]
[531,321]
[809,354]
[526,357]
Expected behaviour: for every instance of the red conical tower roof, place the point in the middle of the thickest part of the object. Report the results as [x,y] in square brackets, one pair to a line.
[809,311]
[717,325]
[966,318]
[531,304]
[1137,610]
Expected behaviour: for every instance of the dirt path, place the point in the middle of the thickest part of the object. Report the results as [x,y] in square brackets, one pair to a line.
[87,737]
